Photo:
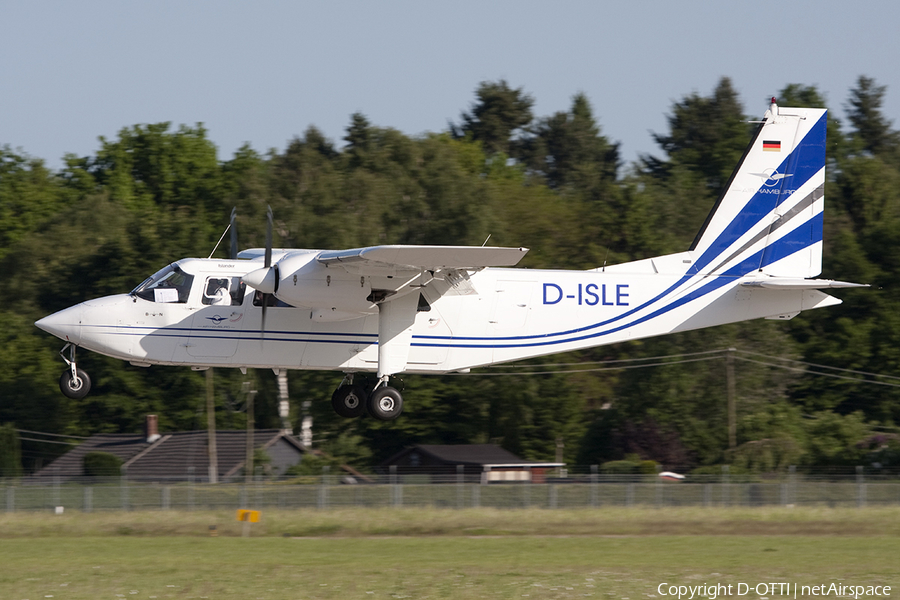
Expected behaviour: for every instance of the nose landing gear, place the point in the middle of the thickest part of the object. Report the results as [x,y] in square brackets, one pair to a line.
[384,403]
[73,383]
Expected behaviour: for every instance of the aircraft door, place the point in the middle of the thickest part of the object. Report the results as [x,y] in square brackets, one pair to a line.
[512,302]
[219,319]
[431,335]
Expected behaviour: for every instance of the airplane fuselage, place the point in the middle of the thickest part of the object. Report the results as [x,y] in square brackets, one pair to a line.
[434,309]
[491,316]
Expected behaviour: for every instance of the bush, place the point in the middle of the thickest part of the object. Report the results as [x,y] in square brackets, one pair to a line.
[630,466]
[102,464]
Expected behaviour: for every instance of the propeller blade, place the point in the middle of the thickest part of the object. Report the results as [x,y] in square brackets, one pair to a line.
[270,277]
[262,327]
[268,262]
[233,251]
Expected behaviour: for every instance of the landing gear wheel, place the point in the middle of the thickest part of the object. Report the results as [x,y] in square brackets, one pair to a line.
[76,387]
[385,404]
[349,401]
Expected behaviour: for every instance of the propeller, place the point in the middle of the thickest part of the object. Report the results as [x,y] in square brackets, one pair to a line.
[270,272]
[265,280]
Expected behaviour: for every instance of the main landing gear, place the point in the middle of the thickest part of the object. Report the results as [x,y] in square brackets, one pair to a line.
[384,403]
[73,383]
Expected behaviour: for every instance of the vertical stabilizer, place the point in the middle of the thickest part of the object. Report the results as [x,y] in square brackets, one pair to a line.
[769,219]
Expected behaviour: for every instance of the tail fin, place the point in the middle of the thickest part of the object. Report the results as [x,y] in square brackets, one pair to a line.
[769,219]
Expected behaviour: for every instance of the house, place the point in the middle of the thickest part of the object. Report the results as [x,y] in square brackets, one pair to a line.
[179,456]
[482,463]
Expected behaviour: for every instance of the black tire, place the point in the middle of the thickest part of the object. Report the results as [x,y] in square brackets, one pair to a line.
[385,404]
[76,387]
[349,401]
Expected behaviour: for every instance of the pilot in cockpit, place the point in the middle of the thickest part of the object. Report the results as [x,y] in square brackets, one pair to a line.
[217,292]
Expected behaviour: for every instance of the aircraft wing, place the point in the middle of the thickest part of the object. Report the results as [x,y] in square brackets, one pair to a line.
[419,258]
[791,283]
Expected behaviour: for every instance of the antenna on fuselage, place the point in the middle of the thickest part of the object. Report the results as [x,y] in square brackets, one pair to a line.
[231,226]
[233,250]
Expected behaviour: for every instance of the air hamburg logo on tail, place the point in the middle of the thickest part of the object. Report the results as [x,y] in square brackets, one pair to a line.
[772,176]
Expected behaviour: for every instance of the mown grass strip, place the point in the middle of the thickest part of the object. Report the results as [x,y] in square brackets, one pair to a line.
[466,522]
[429,567]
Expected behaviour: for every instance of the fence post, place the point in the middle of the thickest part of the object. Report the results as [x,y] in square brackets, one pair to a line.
[792,485]
[659,488]
[526,492]
[396,488]
[460,485]
[88,499]
[166,497]
[726,485]
[11,499]
[123,491]
[860,488]
[190,488]
[552,492]
[594,490]
[323,489]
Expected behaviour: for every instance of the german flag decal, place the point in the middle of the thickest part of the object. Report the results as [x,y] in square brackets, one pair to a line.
[771,146]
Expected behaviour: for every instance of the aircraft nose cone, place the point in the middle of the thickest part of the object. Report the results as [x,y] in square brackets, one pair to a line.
[262,280]
[65,324]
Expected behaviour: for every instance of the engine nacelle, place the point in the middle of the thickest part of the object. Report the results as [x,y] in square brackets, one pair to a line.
[304,282]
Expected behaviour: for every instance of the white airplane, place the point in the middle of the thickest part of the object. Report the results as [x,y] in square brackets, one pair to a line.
[439,309]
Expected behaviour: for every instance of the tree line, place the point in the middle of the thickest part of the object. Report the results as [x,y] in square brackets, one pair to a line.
[555,184]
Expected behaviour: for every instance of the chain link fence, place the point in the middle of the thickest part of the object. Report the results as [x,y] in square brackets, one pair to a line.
[328,491]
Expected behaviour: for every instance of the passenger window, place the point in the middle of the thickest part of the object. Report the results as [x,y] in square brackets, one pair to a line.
[270,301]
[224,291]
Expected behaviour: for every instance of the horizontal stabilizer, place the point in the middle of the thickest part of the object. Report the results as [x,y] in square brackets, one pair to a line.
[427,257]
[786,283]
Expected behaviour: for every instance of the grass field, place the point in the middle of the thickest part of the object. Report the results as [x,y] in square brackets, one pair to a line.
[441,553]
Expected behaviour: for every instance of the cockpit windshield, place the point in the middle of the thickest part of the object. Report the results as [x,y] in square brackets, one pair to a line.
[170,284]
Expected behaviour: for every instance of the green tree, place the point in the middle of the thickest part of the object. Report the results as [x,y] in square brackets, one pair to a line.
[567,149]
[872,129]
[707,136]
[500,113]
[29,194]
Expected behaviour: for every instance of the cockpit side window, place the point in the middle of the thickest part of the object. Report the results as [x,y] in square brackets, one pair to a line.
[167,285]
[227,291]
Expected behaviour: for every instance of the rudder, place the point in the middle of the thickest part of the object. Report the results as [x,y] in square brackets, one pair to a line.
[769,218]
